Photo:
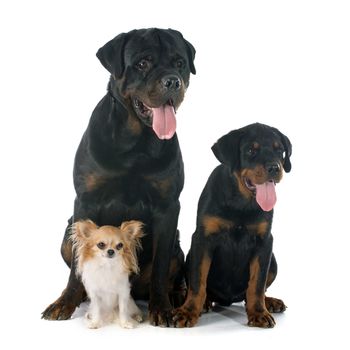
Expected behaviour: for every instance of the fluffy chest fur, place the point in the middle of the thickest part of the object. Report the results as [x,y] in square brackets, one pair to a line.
[104,275]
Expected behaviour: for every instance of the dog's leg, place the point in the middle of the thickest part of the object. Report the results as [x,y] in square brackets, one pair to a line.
[199,261]
[125,312]
[94,314]
[258,315]
[134,310]
[274,305]
[164,233]
[72,296]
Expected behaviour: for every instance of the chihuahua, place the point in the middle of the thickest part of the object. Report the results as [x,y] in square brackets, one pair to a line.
[105,258]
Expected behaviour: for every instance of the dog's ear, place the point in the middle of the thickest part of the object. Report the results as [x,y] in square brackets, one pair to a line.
[190,50]
[227,149]
[133,228]
[83,229]
[111,54]
[287,165]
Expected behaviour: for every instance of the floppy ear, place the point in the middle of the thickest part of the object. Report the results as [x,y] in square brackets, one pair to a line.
[111,54]
[227,149]
[83,229]
[132,228]
[287,166]
[191,51]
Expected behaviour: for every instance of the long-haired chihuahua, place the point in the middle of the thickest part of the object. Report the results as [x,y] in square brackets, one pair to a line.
[106,256]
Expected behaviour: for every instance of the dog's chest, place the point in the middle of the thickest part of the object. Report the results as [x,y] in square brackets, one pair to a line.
[108,277]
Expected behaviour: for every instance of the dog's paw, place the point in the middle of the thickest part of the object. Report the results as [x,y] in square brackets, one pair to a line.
[160,314]
[261,319]
[59,310]
[275,305]
[128,324]
[185,317]
[138,318]
[93,324]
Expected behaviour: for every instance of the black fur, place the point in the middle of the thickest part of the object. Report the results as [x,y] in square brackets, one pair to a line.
[231,258]
[123,171]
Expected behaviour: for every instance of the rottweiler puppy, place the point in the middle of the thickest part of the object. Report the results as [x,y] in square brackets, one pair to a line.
[230,258]
[128,165]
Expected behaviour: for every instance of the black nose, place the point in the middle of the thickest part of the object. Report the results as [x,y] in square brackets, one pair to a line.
[171,82]
[273,168]
[110,252]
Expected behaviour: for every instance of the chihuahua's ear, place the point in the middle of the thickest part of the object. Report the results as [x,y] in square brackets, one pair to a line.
[83,229]
[133,228]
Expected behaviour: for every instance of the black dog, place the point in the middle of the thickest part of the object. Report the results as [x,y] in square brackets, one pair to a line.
[128,165]
[231,257]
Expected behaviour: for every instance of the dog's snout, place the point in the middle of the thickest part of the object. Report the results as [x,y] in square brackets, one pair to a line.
[110,252]
[273,168]
[171,82]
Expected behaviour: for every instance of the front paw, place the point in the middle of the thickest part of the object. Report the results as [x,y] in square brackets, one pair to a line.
[128,324]
[59,310]
[275,305]
[138,317]
[93,324]
[160,315]
[261,319]
[185,317]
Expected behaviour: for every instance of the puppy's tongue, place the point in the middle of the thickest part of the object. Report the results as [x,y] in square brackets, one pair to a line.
[164,122]
[266,195]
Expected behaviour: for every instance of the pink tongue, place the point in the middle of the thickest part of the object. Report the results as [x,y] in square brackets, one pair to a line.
[266,195]
[164,122]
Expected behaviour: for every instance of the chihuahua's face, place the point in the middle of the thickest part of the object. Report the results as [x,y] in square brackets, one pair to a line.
[107,242]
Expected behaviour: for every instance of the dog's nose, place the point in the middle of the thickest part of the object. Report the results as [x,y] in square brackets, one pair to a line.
[110,252]
[171,82]
[273,168]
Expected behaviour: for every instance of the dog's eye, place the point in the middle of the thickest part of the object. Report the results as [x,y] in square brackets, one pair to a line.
[251,152]
[143,65]
[119,246]
[101,245]
[180,63]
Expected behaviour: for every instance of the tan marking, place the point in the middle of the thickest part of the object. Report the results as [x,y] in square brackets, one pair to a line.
[256,145]
[276,145]
[241,185]
[134,124]
[196,301]
[260,229]
[215,224]
[66,252]
[255,302]
[93,181]
[270,278]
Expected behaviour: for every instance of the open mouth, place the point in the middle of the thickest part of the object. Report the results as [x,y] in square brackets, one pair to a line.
[161,119]
[252,187]
[265,193]
[145,112]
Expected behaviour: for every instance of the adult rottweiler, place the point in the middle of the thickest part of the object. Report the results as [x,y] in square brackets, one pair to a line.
[128,165]
[230,258]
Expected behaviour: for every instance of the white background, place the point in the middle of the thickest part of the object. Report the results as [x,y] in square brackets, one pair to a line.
[283,63]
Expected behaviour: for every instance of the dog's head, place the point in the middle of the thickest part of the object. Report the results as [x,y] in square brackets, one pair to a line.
[150,71]
[256,155]
[107,244]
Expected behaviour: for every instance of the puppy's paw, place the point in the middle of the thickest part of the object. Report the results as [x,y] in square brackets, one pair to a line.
[185,317]
[261,319]
[275,305]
